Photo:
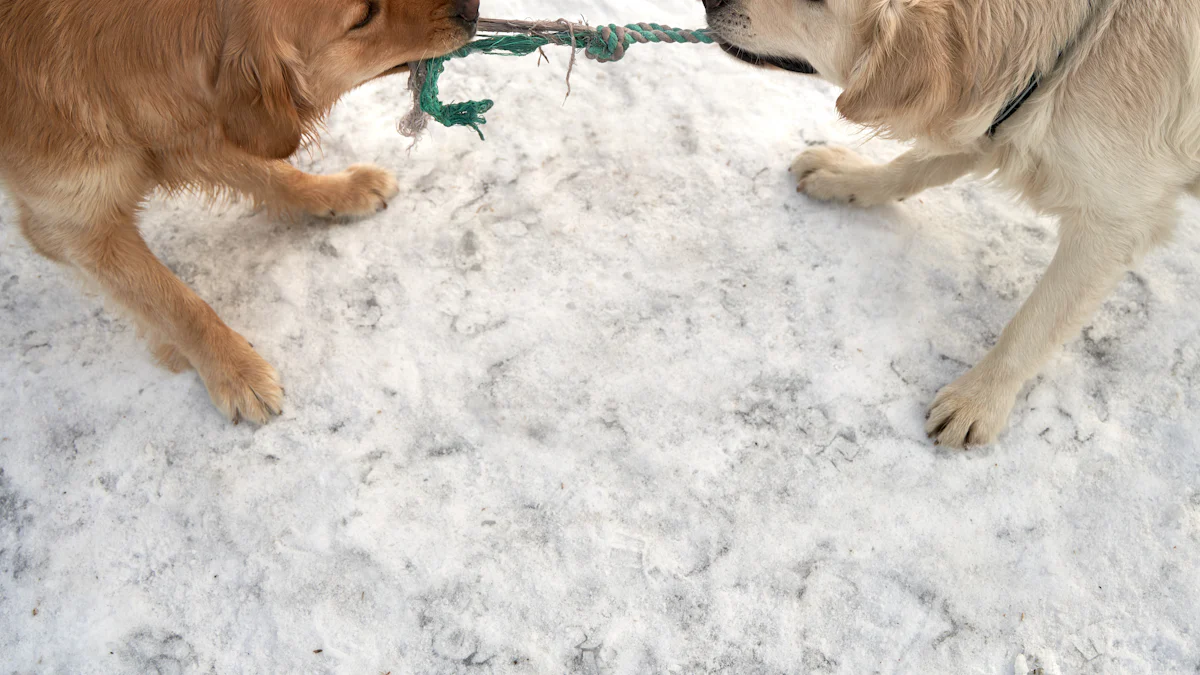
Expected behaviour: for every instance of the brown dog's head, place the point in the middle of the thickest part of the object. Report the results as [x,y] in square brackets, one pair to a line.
[910,68]
[284,63]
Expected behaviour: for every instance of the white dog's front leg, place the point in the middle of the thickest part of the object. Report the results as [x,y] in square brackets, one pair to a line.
[1092,257]
[834,173]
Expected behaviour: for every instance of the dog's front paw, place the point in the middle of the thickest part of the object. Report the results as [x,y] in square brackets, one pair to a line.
[972,410]
[361,190]
[836,174]
[241,384]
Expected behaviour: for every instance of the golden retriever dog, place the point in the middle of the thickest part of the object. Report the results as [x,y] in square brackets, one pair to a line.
[106,100]
[1089,109]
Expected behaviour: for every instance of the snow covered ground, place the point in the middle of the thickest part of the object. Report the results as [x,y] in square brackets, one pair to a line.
[601,395]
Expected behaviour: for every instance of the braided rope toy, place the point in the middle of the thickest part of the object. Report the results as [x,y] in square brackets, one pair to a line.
[603,44]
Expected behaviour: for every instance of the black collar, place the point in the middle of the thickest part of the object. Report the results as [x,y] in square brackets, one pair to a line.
[1014,104]
[1096,9]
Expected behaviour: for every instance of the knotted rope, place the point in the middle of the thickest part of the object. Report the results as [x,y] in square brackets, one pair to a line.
[603,44]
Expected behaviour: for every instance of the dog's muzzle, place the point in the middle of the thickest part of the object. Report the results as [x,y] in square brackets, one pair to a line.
[468,15]
[468,10]
[715,9]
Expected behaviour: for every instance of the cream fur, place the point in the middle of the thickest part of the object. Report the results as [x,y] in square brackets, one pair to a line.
[1108,144]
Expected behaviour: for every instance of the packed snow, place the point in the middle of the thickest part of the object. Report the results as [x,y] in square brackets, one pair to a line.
[602,394]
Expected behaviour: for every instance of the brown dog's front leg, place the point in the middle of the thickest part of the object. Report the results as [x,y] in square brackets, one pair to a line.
[360,190]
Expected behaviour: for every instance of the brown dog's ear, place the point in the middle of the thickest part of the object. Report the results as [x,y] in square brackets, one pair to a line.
[914,78]
[261,93]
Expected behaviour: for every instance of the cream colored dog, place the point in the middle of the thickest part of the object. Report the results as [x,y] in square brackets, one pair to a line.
[1090,109]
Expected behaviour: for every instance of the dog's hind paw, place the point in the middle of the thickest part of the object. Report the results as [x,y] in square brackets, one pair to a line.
[241,383]
[170,357]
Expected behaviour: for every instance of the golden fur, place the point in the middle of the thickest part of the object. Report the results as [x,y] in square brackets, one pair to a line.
[1108,143]
[105,101]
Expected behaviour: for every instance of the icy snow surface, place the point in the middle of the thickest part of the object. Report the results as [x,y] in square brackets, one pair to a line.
[601,395]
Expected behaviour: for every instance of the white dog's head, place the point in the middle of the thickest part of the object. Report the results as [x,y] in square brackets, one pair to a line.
[911,69]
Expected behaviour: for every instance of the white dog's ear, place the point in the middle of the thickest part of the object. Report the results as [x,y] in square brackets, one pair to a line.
[914,79]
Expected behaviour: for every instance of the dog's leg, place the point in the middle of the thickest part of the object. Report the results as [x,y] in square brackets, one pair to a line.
[361,190]
[41,238]
[113,253]
[53,243]
[1092,257]
[838,174]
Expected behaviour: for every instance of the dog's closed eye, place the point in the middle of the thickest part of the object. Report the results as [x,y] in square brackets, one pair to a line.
[371,11]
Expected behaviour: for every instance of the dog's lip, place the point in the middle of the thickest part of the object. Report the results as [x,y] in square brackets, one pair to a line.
[471,28]
[792,65]
[394,70]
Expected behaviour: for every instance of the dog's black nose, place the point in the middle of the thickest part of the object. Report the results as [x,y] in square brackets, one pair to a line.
[714,5]
[468,10]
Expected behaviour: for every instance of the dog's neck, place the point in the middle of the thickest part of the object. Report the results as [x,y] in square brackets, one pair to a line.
[1094,19]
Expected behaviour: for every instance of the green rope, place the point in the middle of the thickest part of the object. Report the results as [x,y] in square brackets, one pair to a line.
[603,44]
